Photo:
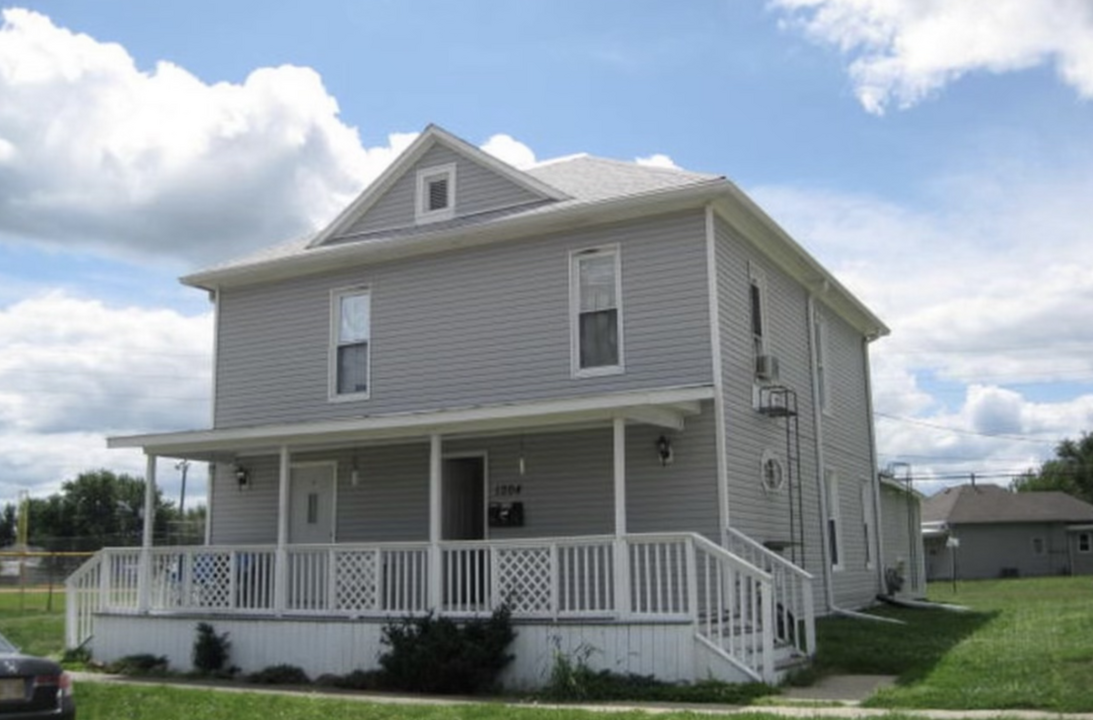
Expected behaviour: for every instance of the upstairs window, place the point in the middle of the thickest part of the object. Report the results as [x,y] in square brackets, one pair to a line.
[351,343]
[763,364]
[435,199]
[834,523]
[596,308]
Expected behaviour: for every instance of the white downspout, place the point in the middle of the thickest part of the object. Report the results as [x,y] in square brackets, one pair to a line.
[874,476]
[721,438]
[817,420]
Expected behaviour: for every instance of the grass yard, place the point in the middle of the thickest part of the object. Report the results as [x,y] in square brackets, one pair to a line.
[1027,644]
[25,620]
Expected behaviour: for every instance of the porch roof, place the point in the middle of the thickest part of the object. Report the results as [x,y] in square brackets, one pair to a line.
[666,407]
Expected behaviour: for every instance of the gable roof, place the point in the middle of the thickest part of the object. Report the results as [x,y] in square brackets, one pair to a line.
[970,504]
[432,135]
[577,191]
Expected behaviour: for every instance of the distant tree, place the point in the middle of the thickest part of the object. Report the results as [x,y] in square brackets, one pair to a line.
[1071,470]
[8,517]
[98,508]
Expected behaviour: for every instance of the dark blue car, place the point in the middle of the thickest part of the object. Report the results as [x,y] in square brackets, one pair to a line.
[33,688]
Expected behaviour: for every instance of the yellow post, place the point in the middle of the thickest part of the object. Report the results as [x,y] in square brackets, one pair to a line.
[21,540]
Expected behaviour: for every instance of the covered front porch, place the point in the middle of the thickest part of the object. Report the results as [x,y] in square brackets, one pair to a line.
[738,612]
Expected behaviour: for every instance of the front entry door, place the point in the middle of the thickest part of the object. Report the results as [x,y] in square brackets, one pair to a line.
[465,569]
[311,504]
[464,498]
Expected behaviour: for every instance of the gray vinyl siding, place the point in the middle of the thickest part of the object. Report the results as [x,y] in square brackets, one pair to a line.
[470,327]
[478,189]
[991,550]
[900,527]
[567,488]
[1081,562]
[763,515]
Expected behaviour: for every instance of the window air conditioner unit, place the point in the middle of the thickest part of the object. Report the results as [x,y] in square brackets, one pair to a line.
[766,368]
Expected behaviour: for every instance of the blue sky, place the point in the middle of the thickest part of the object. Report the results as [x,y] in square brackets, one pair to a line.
[936,156]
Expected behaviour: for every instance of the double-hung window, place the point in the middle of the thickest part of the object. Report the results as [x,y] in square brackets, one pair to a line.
[351,344]
[834,524]
[596,311]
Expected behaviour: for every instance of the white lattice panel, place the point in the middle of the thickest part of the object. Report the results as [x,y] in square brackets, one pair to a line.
[210,586]
[357,584]
[525,579]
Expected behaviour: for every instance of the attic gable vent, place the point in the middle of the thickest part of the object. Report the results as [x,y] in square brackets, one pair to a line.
[435,198]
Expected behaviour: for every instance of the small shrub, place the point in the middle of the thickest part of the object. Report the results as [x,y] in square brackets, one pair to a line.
[279,675]
[573,680]
[356,680]
[437,655]
[142,664]
[210,650]
[76,656]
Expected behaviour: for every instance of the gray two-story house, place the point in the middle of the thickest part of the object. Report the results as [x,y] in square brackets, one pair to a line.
[618,398]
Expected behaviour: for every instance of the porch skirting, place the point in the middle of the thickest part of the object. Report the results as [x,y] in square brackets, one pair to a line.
[338,646]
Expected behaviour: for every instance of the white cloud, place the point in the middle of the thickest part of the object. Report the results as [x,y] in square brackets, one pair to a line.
[981,305]
[76,370]
[507,149]
[657,160]
[905,50]
[95,152]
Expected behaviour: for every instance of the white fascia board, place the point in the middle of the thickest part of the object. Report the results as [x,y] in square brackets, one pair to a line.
[333,257]
[680,401]
[430,136]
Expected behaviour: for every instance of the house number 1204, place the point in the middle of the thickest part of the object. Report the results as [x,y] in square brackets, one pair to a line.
[506,490]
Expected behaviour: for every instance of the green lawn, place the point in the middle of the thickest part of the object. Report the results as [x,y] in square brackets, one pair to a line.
[1027,644]
[26,621]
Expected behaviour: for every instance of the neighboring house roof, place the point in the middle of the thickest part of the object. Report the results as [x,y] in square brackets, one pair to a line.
[967,504]
[566,193]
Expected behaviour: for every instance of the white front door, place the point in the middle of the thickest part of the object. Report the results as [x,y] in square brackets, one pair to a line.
[311,504]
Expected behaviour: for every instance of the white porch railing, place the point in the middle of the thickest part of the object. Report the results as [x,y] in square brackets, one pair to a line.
[677,577]
[794,611]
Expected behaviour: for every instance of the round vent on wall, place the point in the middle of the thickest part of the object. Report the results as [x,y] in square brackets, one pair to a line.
[772,474]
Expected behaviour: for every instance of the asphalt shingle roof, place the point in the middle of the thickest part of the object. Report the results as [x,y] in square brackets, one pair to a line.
[993,504]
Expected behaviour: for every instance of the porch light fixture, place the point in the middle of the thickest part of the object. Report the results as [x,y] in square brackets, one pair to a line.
[242,476]
[354,474]
[664,449]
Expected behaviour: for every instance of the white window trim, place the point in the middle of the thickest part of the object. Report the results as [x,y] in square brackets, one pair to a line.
[575,313]
[823,365]
[422,214]
[1088,543]
[757,277]
[868,521]
[834,512]
[332,350]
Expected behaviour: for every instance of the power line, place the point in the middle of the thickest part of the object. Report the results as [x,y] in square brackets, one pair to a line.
[959,431]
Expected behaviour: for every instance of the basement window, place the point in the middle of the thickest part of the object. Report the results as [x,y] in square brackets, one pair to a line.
[435,199]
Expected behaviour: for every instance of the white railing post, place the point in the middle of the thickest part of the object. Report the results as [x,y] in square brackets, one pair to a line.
[810,617]
[105,577]
[331,579]
[555,581]
[692,581]
[767,601]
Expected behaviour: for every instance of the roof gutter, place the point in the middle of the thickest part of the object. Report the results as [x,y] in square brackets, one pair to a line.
[332,257]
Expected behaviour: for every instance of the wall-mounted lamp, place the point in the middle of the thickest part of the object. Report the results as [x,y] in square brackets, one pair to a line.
[354,475]
[664,449]
[242,476]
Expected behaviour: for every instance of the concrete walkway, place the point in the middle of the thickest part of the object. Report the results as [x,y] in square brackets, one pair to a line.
[839,697]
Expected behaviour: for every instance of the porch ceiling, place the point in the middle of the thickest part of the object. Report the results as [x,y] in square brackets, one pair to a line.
[666,408]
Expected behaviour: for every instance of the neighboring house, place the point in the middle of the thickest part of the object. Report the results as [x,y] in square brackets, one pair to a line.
[901,542]
[619,398]
[993,532]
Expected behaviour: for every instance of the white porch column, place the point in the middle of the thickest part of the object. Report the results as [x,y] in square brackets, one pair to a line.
[144,570]
[622,557]
[280,573]
[436,493]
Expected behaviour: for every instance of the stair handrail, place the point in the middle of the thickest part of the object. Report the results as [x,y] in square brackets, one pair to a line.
[81,606]
[802,603]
